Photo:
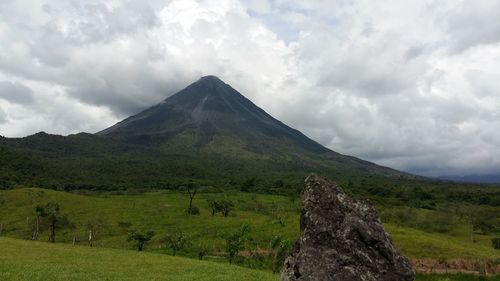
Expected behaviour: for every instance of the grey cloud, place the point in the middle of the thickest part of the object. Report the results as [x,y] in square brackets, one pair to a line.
[86,24]
[3,116]
[16,93]
[405,84]
[483,84]
[474,23]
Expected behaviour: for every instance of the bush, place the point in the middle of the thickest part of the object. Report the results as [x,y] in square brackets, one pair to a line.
[193,211]
[495,242]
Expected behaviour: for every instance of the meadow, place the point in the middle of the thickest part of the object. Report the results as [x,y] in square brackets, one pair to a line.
[113,216]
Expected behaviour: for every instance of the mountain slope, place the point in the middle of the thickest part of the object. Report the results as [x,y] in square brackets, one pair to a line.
[208,132]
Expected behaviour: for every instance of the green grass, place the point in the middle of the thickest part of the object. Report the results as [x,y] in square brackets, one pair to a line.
[269,216]
[420,244]
[31,261]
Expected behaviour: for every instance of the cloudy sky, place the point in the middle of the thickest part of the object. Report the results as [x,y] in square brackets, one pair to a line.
[411,84]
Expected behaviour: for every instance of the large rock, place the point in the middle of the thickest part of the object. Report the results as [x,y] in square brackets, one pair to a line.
[342,239]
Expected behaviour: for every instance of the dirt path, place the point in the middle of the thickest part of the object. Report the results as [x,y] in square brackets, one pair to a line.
[475,267]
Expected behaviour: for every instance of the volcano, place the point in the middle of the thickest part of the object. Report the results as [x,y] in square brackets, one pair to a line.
[207,132]
[210,108]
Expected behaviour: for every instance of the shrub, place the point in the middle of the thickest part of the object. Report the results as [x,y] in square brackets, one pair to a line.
[193,210]
[495,242]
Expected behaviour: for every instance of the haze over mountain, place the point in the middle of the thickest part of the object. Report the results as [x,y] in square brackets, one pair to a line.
[207,132]
[489,178]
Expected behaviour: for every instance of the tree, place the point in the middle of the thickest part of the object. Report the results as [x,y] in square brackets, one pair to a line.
[175,242]
[225,207]
[202,252]
[495,242]
[52,218]
[192,189]
[293,192]
[248,184]
[235,242]
[214,205]
[93,226]
[280,248]
[38,214]
[140,238]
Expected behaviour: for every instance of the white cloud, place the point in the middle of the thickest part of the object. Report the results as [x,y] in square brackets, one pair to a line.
[411,84]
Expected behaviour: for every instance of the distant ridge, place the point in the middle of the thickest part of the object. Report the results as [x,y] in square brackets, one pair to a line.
[488,178]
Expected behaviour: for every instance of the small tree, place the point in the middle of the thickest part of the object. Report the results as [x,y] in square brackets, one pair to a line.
[53,219]
[214,205]
[235,242]
[202,252]
[225,207]
[280,248]
[192,189]
[175,242]
[140,238]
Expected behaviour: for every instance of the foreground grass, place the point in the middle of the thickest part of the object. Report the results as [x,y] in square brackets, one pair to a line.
[26,260]
[22,260]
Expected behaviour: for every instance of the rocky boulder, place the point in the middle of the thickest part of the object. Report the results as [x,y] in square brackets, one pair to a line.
[342,239]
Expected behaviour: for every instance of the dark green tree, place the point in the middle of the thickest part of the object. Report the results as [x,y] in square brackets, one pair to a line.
[214,206]
[192,189]
[52,218]
[225,207]
[140,238]
[495,242]
[202,252]
[248,185]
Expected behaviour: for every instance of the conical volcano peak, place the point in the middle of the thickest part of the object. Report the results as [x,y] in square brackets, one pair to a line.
[211,84]
[211,78]
[210,108]
[207,87]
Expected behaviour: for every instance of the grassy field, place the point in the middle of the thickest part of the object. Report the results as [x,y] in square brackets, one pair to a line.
[22,260]
[32,261]
[164,212]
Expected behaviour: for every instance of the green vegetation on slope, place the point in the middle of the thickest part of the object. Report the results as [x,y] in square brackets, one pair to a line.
[113,216]
[90,162]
